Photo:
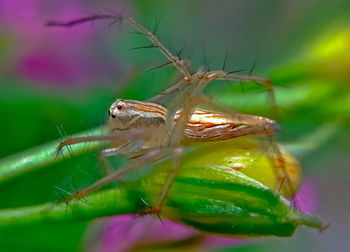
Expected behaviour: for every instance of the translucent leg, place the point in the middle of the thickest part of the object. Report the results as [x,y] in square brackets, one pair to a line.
[179,64]
[174,141]
[248,125]
[113,151]
[278,162]
[105,168]
[116,136]
[151,156]
[176,164]
[266,82]
[282,177]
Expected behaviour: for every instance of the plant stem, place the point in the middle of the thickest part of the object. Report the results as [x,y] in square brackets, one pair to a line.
[105,203]
[42,156]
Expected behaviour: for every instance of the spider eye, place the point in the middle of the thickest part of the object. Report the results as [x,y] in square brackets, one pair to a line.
[120,107]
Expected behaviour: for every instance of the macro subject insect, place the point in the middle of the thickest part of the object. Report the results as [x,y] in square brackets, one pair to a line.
[156,129]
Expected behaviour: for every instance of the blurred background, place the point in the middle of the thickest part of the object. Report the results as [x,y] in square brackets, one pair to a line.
[68,77]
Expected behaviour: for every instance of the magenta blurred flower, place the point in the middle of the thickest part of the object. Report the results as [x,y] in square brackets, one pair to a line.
[51,55]
[306,199]
[129,231]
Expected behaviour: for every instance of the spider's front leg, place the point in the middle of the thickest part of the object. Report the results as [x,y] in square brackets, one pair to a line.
[127,142]
[181,65]
[149,157]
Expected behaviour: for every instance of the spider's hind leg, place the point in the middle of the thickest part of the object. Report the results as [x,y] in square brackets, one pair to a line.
[265,82]
[287,178]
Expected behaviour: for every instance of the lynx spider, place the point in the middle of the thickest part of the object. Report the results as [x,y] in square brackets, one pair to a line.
[149,131]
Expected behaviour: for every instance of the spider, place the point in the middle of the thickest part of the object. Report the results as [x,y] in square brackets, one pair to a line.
[149,131]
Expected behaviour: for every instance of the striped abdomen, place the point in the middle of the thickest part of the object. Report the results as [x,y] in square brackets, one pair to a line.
[205,125]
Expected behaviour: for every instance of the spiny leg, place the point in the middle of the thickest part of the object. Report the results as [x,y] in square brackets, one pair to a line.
[207,126]
[221,75]
[176,164]
[151,156]
[115,136]
[278,162]
[266,82]
[103,164]
[216,126]
[174,142]
[238,125]
[175,139]
[181,65]
[98,184]
[182,90]
[121,149]
[283,180]
[241,125]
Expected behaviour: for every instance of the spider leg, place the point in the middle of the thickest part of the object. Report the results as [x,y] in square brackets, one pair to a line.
[119,136]
[216,126]
[176,164]
[181,65]
[104,166]
[174,142]
[152,155]
[283,179]
[258,128]
[266,82]
[121,149]
[236,125]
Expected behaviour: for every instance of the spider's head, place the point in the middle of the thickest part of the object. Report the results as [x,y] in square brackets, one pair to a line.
[119,116]
[116,109]
[128,114]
